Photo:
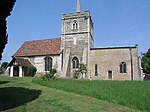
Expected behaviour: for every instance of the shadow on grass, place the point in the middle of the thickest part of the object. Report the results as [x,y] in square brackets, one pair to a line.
[11,97]
[4,82]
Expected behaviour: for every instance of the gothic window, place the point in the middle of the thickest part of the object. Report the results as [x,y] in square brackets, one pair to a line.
[123,67]
[48,63]
[75,25]
[96,70]
[75,62]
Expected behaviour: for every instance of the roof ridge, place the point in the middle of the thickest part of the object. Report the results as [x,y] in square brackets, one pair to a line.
[115,47]
[42,39]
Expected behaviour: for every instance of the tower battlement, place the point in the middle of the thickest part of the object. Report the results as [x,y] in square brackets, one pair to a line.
[76,15]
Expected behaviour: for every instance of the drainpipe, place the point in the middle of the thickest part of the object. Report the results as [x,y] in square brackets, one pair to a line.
[131,63]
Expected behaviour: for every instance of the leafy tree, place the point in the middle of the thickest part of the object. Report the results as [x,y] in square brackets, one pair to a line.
[146,62]
[6,7]
[81,70]
[4,65]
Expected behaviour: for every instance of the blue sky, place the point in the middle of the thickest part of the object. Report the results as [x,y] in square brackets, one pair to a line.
[116,22]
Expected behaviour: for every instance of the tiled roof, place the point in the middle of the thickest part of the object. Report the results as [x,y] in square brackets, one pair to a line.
[23,62]
[39,47]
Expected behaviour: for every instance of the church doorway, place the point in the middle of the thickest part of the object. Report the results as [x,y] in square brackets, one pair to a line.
[110,75]
[25,71]
[16,71]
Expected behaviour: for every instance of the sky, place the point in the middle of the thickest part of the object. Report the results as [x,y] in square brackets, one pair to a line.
[116,22]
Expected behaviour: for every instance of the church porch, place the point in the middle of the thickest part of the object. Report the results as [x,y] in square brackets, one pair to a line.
[18,67]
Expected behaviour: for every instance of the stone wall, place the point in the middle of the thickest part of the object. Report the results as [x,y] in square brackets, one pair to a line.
[110,59]
[76,42]
[39,63]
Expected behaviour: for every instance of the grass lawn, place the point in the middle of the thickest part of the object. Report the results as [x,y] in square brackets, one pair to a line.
[133,94]
[21,95]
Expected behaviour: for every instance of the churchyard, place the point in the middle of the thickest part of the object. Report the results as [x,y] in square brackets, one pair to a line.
[66,95]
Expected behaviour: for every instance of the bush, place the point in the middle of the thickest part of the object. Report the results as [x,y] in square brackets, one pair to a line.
[31,71]
[82,70]
[50,75]
[76,74]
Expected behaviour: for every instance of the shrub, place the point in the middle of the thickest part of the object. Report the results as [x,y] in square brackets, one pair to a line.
[76,74]
[82,70]
[31,71]
[50,75]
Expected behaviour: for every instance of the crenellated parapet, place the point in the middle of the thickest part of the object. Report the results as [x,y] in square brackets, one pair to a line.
[85,14]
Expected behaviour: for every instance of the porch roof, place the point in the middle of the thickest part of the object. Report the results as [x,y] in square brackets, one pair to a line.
[21,61]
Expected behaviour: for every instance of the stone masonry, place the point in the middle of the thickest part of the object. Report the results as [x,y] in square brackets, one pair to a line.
[109,59]
[76,42]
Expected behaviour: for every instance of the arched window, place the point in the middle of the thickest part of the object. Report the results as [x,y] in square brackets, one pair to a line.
[48,63]
[123,67]
[75,62]
[75,25]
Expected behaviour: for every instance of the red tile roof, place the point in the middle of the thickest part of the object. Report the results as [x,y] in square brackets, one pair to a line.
[40,47]
[21,61]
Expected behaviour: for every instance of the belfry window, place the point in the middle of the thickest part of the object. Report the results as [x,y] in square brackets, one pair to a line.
[123,67]
[75,63]
[75,25]
[48,63]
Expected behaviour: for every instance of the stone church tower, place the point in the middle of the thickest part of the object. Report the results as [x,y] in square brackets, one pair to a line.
[76,40]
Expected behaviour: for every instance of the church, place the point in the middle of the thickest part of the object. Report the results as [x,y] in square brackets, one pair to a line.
[76,46]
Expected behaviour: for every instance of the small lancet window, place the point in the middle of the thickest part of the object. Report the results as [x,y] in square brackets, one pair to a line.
[110,75]
[75,63]
[75,25]
[96,70]
[123,67]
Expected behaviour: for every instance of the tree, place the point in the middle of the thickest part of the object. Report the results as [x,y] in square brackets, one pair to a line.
[81,70]
[6,7]
[146,62]
[4,65]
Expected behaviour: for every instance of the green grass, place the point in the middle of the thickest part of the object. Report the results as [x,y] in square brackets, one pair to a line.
[134,94]
[21,95]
